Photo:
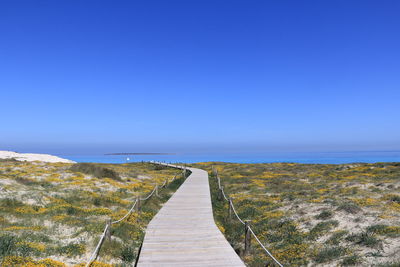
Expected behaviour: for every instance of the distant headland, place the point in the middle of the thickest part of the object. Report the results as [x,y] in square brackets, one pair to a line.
[138,153]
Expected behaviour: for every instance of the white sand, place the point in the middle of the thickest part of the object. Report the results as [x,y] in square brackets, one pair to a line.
[32,157]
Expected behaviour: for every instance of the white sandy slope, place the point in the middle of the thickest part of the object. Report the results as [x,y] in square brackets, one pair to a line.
[32,157]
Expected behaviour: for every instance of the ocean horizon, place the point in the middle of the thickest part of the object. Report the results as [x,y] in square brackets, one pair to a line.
[270,157]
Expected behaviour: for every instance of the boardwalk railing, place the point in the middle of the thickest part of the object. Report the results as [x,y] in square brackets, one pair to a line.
[248,230]
[137,204]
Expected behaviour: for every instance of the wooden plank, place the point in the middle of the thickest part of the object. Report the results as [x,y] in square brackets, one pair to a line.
[183,233]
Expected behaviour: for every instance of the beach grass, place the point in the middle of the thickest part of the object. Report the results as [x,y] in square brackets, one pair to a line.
[316,214]
[52,214]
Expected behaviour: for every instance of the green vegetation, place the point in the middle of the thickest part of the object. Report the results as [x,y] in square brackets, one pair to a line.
[311,214]
[351,260]
[329,254]
[349,207]
[321,229]
[364,238]
[388,264]
[95,170]
[337,237]
[326,214]
[127,253]
[52,214]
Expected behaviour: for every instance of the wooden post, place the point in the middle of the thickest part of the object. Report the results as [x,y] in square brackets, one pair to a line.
[185,170]
[138,204]
[108,233]
[220,196]
[247,238]
[156,190]
[230,210]
[166,183]
[219,182]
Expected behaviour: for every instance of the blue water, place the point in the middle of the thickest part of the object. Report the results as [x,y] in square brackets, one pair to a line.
[297,157]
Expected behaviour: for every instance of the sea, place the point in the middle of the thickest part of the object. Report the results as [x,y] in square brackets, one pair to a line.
[268,157]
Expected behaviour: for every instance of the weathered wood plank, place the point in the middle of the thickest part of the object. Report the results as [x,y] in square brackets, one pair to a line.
[183,233]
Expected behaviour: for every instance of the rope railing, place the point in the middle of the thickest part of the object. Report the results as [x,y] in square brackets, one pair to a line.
[265,249]
[107,228]
[223,193]
[234,211]
[248,227]
[149,196]
[97,249]
[127,214]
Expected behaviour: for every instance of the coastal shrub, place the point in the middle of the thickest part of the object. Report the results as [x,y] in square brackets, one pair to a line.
[395,198]
[369,240]
[71,210]
[7,244]
[35,237]
[354,190]
[285,231]
[261,192]
[25,181]
[127,253]
[158,167]
[336,237]
[25,248]
[10,203]
[388,264]
[364,238]
[374,254]
[51,263]
[9,160]
[74,209]
[326,214]
[351,260]
[95,170]
[382,229]
[12,261]
[329,253]
[349,207]
[376,228]
[72,249]
[97,201]
[321,228]
[112,248]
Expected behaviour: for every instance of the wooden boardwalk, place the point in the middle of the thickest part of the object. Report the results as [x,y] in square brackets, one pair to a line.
[183,233]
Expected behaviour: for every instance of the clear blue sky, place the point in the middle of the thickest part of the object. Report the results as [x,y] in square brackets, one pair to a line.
[173,75]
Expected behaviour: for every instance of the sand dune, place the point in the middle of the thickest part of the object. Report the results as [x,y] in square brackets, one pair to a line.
[32,157]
